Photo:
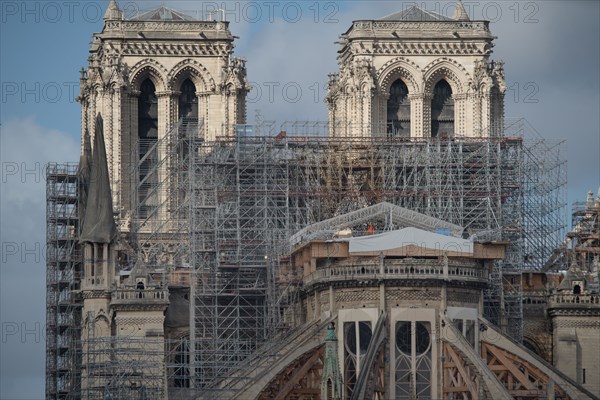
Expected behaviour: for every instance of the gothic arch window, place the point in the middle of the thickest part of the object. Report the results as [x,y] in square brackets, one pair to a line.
[188,101]
[357,336]
[148,155]
[148,111]
[188,115]
[413,365]
[442,110]
[398,110]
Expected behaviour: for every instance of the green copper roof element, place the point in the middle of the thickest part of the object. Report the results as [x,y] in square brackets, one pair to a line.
[331,378]
[330,335]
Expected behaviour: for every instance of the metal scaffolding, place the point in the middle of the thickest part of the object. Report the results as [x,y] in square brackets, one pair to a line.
[225,212]
[122,367]
[63,275]
[545,214]
[226,209]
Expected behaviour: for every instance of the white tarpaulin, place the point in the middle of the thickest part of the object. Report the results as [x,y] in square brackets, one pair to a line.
[409,237]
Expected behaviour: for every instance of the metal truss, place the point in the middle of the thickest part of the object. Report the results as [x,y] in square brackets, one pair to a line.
[395,217]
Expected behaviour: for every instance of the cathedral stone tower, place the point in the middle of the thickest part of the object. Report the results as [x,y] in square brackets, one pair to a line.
[123,320]
[575,313]
[146,74]
[416,73]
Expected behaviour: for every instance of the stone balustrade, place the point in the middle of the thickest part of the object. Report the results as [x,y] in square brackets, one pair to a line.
[193,26]
[557,300]
[137,295]
[421,25]
[397,269]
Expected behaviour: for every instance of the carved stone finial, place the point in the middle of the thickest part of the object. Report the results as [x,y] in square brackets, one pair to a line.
[113,12]
[460,13]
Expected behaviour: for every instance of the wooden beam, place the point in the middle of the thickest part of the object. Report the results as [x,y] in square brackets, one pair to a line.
[466,376]
[299,374]
[456,389]
[529,393]
[514,371]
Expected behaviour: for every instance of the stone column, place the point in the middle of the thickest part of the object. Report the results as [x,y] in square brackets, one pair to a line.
[355,112]
[476,106]
[167,104]
[173,109]
[422,115]
[460,115]
[231,112]
[93,99]
[331,113]
[370,111]
[84,101]
[343,132]
[214,130]
[203,114]
[496,112]
[164,105]
[117,124]
[378,124]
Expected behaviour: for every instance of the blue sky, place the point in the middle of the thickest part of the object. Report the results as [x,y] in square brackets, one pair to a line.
[552,67]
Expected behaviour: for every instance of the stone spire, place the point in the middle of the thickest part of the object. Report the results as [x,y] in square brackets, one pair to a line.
[99,224]
[460,13]
[84,173]
[574,274]
[331,377]
[113,12]
[139,273]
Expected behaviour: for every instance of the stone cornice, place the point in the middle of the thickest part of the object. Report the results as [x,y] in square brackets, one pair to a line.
[128,320]
[138,307]
[574,312]
[391,283]
[428,48]
[178,49]
[576,323]
[417,38]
